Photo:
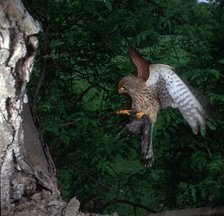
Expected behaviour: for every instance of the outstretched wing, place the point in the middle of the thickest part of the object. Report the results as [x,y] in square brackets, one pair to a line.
[141,64]
[172,91]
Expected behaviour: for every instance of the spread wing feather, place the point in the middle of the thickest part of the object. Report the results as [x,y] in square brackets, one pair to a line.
[172,91]
[141,64]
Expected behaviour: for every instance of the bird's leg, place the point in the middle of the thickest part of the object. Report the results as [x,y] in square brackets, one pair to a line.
[139,114]
[124,112]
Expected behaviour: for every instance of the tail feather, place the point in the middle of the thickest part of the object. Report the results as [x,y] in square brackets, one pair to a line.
[146,143]
[144,128]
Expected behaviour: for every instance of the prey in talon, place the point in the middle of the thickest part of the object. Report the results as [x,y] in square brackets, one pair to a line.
[141,126]
[156,86]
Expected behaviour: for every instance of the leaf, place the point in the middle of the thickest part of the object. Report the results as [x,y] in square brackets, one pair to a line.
[126,166]
[214,72]
[142,36]
[193,193]
[203,132]
[221,61]
[108,4]
[211,124]
[216,165]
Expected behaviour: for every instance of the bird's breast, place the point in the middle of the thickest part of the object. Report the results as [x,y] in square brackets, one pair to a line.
[147,102]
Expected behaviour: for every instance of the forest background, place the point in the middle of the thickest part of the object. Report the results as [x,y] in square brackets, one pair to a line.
[82,55]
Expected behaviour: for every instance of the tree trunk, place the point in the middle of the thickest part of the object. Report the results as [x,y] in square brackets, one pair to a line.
[27,172]
[28,176]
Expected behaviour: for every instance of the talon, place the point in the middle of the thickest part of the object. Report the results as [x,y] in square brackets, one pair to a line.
[124,112]
[139,114]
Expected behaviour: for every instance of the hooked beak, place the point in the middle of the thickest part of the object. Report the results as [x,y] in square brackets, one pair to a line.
[121,90]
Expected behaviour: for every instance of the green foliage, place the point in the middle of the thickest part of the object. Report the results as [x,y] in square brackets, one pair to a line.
[94,155]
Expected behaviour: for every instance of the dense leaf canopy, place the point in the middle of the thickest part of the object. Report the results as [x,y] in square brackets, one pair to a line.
[82,56]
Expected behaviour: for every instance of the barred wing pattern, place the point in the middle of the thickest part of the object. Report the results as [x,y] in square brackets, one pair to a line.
[172,91]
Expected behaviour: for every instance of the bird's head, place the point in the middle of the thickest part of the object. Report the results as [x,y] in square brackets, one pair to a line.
[129,84]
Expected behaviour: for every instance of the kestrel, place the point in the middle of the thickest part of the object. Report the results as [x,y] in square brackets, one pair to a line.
[158,86]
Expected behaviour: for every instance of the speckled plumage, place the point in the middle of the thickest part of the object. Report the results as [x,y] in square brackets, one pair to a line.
[144,98]
[158,86]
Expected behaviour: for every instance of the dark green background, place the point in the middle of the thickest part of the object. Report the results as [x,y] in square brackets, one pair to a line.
[82,55]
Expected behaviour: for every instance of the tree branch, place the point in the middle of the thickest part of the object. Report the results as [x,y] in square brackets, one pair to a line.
[219,211]
[46,54]
[127,202]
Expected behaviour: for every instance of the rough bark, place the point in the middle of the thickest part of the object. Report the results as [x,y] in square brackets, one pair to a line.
[28,176]
[27,172]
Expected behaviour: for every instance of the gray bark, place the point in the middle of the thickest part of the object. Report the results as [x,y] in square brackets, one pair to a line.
[27,171]
[28,176]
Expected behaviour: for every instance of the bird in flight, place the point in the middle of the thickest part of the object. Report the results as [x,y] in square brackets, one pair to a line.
[157,86]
